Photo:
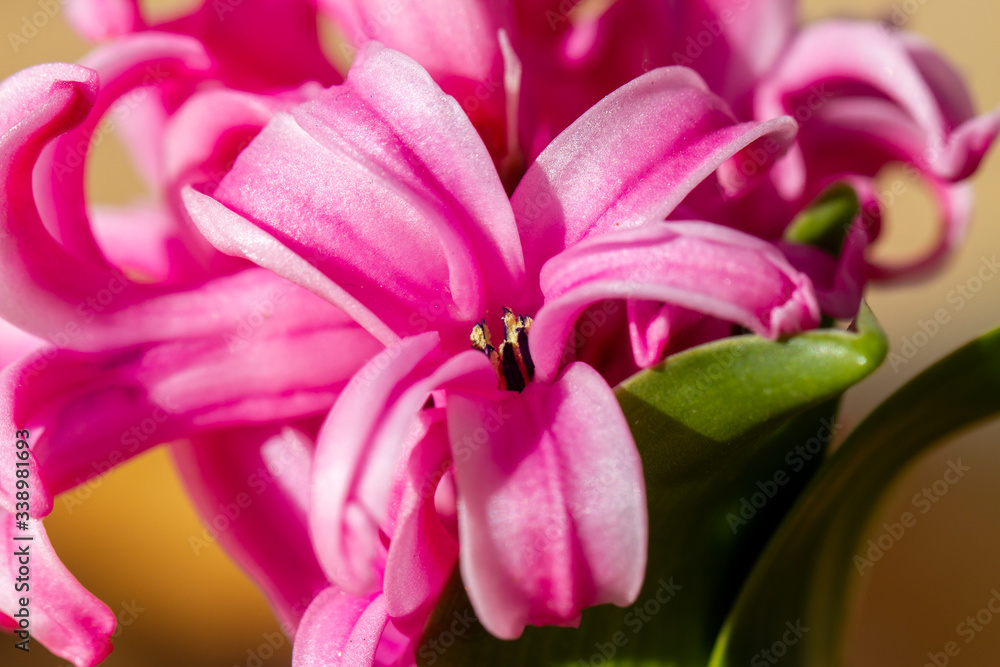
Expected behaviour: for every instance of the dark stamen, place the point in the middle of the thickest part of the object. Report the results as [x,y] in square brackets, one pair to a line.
[511,360]
[522,347]
[511,371]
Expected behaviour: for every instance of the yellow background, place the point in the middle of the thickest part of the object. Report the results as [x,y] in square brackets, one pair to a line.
[128,540]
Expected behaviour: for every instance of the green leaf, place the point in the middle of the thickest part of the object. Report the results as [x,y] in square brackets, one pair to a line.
[825,222]
[714,425]
[809,571]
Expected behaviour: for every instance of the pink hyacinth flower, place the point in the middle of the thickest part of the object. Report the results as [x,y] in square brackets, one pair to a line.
[389,206]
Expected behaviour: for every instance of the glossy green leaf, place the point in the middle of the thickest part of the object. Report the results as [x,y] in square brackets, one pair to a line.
[814,564]
[729,433]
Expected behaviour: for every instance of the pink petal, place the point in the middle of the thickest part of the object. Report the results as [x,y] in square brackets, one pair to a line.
[366,441]
[218,307]
[861,136]
[423,552]
[98,20]
[340,630]
[744,40]
[576,55]
[657,330]
[581,52]
[89,412]
[703,267]
[954,206]
[846,60]
[211,128]
[145,241]
[50,292]
[235,235]
[244,40]
[669,134]
[250,486]
[388,144]
[233,33]
[552,509]
[15,343]
[63,615]
[127,67]
[201,142]
[454,40]
[41,279]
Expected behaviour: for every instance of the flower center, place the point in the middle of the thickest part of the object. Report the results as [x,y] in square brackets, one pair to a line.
[512,360]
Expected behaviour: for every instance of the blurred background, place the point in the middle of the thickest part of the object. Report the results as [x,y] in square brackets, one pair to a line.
[128,536]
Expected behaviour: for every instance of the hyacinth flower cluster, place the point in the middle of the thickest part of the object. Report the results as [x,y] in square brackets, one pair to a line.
[460,245]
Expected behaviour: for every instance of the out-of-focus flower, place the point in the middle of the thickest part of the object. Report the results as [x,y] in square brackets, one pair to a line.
[865,97]
[258,45]
[133,364]
[391,195]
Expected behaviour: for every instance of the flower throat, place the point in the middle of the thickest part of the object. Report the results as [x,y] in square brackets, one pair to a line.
[512,360]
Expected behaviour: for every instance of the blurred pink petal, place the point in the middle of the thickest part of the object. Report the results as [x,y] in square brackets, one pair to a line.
[233,33]
[143,240]
[818,69]
[253,482]
[103,19]
[454,40]
[745,38]
[125,67]
[91,411]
